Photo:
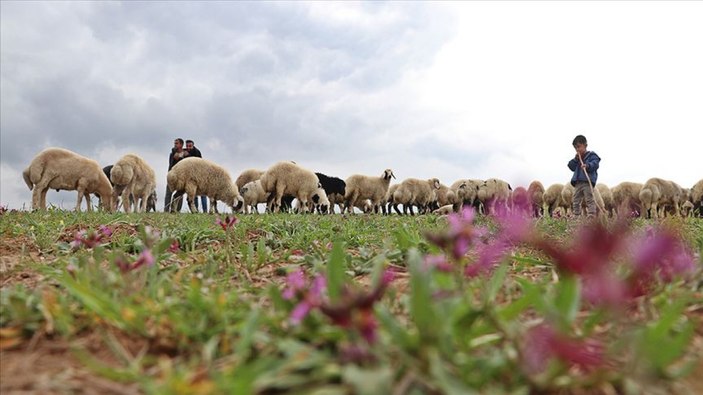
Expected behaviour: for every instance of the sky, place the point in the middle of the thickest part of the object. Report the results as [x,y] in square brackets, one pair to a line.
[428,89]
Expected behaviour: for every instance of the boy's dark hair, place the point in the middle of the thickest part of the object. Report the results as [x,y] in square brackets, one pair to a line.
[180,140]
[580,139]
[190,141]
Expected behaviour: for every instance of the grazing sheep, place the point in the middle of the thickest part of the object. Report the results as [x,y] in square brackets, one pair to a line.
[657,193]
[626,198]
[288,178]
[413,191]
[253,193]
[552,198]
[697,197]
[247,176]
[687,209]
[360,187]
[389,198]
[132,178]
[197,176]
[468,194]
[520,202]
[444,196]
[335,189]
[150,202]
[61,169]
[535,192]
[606,202]
[494,195]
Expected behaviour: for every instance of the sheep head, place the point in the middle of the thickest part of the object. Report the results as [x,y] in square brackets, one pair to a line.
[387,174]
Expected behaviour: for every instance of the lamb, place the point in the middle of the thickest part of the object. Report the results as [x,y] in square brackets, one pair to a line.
[697,197]
[319,202]
[253,193]
[360,187]
[494,195]
[197,176]
[61,169]
[626,198]
[552,198]
[289,178]
[535,192]
[413,191]
[335,189]
[132,176]
[657,193]
[247,176]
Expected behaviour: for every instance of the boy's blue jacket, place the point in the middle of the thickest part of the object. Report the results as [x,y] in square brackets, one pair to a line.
[592,161]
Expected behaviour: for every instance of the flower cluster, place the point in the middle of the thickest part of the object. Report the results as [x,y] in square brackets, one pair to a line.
[91,238]
[227,222]
[353,311]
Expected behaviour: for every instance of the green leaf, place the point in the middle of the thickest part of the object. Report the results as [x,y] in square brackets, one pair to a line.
[568,298]
[495,283]
[421,302]
[335,272]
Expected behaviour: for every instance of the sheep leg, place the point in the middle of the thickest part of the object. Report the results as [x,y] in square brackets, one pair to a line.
[88,202]
[39,193]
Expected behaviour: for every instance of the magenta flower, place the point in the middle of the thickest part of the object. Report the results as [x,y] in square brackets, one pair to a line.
[437,262]
[308,295]
[146,258]
[489,256]
[90,238]
[174,247]
[543,343]
[227,223]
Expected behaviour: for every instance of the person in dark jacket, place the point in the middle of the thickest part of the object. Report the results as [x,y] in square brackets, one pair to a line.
[585,167]
[192,151]
[176,155]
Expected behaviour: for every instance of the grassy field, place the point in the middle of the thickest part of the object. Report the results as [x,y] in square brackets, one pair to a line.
[269,304]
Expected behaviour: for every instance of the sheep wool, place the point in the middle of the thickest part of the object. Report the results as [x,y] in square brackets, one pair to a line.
[287,178]
[360,187]
[132,176]
[197,176]
[61,169]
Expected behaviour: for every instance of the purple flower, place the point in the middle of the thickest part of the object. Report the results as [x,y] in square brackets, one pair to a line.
[438,262]
[90,238]
[227,223]
[308,295]
[543,343]
[146,258]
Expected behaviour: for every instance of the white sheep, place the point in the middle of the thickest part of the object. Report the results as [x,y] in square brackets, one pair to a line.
[466,191]
[197,176]
[388,199]
[697,197]
[658,193]
[253,193]
[61,169]
[606,199]
[360,187]
[247,176]
[494,195]
[319,202]
[415,192]
[535,192]
[287,178]
[626,198]
[445,196]
[552,198]
[520,201]
[132,176]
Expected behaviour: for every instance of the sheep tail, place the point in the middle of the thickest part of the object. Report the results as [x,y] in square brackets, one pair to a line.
[27,179]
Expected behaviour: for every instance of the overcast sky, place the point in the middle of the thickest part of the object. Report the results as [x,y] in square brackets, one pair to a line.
[469,90]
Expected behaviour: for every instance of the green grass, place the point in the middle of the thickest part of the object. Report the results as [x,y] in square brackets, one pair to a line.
[211,317]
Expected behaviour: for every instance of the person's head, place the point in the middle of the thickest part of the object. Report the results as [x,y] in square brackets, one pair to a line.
[580,144]
[190,144]
[178,143]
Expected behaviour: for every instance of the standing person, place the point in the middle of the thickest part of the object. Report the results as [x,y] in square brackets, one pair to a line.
[585,167]
[192,151]
[177,153]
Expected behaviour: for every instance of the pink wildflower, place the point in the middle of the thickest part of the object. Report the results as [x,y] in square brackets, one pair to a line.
[543,343]
[227,223]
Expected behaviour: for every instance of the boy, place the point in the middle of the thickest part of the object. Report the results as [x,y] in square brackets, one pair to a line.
[585,167]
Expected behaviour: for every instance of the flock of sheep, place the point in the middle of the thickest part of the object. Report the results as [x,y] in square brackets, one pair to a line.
[288,186]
